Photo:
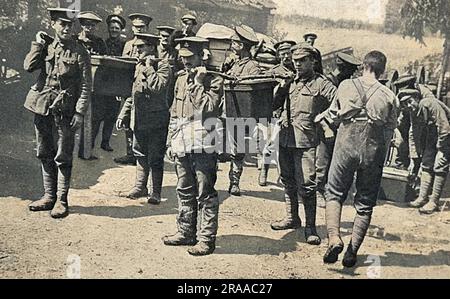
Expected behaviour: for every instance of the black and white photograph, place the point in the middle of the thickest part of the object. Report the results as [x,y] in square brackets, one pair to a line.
[225,139]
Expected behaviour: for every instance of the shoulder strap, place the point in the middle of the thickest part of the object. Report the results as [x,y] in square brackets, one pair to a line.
[361,92]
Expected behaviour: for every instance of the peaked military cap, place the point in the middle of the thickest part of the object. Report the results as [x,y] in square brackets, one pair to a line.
[302,50]
[191,17]
[118,19]
[89,16]
[406,94]
[405,82]
[139,19]
[146,39]
[190,46]
[165,30]
[64,14]
[348,59]
[284,45]
[313,35]
[245,34]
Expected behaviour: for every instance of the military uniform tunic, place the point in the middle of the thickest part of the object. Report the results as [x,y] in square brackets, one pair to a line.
[195,155]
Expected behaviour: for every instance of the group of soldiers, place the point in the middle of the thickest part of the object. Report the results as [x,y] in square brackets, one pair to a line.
[335,131]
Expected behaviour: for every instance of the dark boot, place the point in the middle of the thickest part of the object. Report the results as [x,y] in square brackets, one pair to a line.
[157,180]
[179,240]
[426,184]
[360,227]
[263,175]
[49,176]
[142,171]
[236,169]
[106,147]
[202,248]
[438,187]
[234,189]
[311,236]
[335,244]
[292,220]
[61,208]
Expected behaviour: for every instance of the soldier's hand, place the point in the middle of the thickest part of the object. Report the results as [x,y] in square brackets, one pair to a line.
[170,154]
[120,124]
[77,121]
[39,38]
[200,74]
[414,167]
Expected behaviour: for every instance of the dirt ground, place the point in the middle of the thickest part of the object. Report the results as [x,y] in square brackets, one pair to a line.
[118,238]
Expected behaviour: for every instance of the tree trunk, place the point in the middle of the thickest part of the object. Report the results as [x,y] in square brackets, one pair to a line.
[444,66]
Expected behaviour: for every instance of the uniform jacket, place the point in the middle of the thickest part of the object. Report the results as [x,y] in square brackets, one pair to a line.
[114,47]
[193,104]
[129,49]
[93,44]
[303,102]
[245,67]
[149,95]
[432,117]
[64,67]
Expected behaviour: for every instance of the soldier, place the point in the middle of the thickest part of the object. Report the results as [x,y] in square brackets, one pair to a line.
[188,21]
[140,23]
[367,113]
[115,44]
[95,46]
[346,67]
[59,102]
[166,50]
[430,142]
[284,68]
[304,97]
[148,114]
[242,42]
[197,98]
[311,38]
[108,107]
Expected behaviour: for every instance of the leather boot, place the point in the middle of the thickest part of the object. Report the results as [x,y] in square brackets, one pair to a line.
[61,208]
[157,180]
[438,187]
[263,175]
[142,172]
[49,176]
[202,248]
[236,169]
[311,236]
[426,184]
[360,227]
[335,245]
[179,240]
[292,220]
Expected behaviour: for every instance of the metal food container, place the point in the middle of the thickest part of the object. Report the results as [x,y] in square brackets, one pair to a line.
[249,98]
[113,76]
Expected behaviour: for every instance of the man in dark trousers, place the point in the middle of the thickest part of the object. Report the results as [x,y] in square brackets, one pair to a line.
[139,24]
[59,101]
[242,42]
[197,99]
[95,46]
[303,97]
[367,113]
[148,114]
[108,107]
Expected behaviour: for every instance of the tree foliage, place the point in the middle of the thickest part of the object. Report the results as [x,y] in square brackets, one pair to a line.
[419,15]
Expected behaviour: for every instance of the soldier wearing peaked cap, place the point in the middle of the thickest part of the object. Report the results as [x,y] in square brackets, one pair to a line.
[197,99]
[95,46]
[346,67]
[429,144]
[166,50]
[147,112]
[242,42]
[303,98]
[59,101]
[310,38]
[139,24]
[284,68]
